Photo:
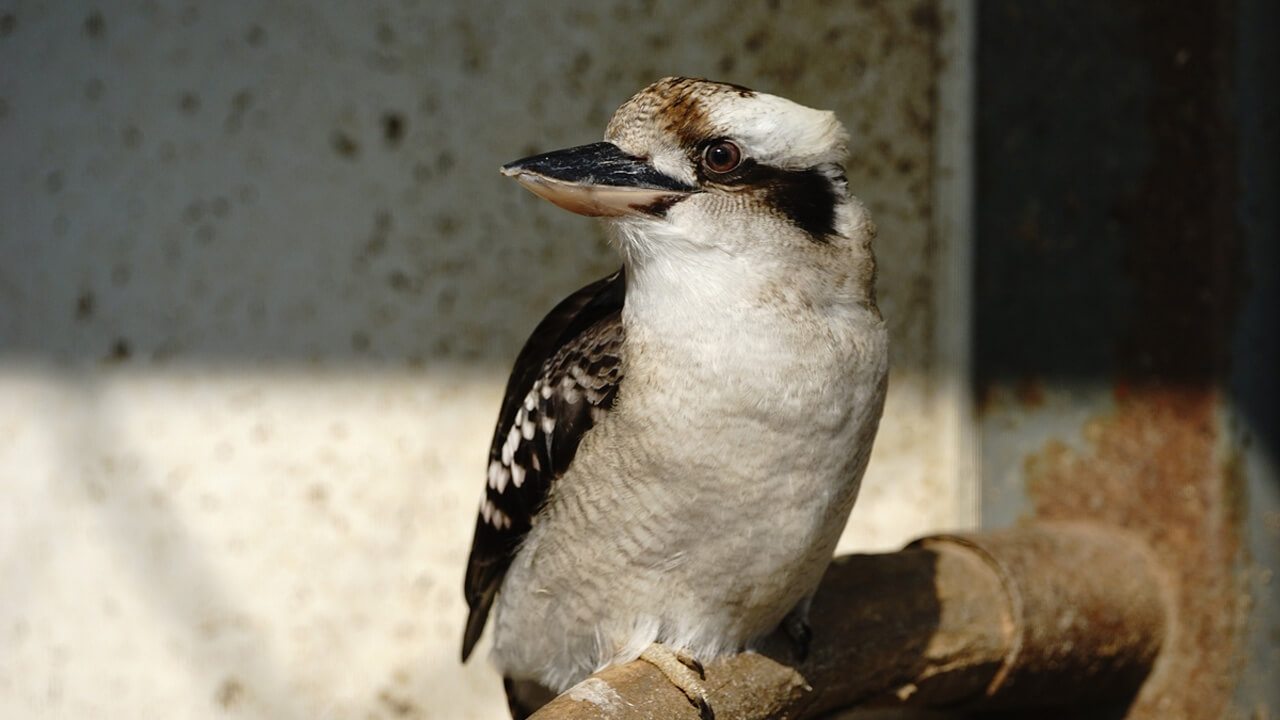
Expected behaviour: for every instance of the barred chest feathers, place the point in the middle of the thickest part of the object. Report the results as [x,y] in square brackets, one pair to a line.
[708,501]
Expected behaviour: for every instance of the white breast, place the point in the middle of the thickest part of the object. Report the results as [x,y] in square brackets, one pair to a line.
[709,501]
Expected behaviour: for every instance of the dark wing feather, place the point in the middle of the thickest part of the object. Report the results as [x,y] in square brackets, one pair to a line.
[564,379]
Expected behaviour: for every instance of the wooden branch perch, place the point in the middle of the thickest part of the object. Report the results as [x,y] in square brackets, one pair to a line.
[1049,615]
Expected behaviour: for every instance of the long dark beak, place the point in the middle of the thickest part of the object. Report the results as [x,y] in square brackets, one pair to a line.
[599,180]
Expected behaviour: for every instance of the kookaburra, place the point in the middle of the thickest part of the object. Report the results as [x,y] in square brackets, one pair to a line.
[681,442]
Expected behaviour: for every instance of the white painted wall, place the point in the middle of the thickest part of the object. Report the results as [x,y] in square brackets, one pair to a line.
[252,343]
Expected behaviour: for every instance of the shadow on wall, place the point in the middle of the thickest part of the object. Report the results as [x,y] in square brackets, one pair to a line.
[318,184]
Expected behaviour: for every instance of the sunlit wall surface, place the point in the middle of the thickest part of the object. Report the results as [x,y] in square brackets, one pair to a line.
[260,285]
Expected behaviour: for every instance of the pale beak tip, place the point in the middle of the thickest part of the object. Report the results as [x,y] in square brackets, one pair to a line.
[523,177]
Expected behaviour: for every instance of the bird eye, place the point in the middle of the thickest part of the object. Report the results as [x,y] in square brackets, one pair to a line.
[721,156]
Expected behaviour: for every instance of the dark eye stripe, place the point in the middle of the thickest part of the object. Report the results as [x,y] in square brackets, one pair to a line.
[806,197]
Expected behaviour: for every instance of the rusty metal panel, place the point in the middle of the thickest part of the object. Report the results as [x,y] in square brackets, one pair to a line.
[1124,216]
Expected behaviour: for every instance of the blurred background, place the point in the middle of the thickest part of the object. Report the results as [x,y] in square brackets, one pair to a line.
[261,285]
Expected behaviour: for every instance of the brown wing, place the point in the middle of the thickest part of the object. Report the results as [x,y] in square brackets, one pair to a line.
[564,379]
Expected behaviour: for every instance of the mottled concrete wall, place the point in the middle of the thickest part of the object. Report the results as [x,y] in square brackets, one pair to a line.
[260,283]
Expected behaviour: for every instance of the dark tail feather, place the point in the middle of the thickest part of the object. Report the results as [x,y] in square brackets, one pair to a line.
[475,626]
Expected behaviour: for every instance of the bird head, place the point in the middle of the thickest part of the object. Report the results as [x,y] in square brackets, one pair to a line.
[692,169]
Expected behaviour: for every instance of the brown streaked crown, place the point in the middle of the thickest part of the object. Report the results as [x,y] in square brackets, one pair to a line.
[672,105]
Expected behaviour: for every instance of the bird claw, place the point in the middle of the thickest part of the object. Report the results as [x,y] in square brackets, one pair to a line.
[684,671]
[689,661]
[704,709]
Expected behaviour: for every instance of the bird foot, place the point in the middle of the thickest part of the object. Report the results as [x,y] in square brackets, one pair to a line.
[684,671]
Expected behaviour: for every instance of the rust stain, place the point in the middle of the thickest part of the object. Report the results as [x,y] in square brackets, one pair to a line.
[1030,392]
[1153,469]
[1157,465]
